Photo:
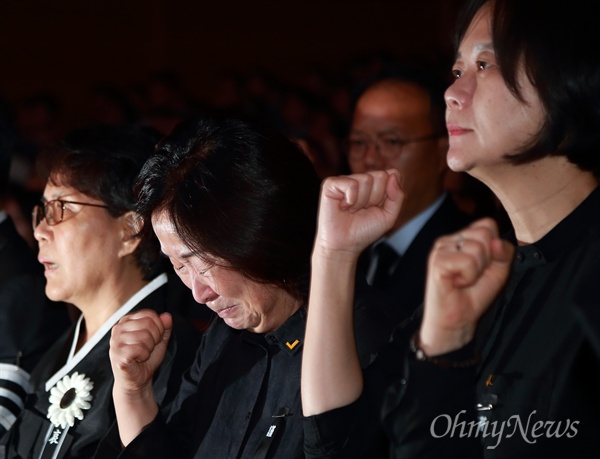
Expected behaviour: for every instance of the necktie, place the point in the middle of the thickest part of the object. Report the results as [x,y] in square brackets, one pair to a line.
[386,259]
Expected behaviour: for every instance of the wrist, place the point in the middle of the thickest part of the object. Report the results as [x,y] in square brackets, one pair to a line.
[326,254]
[134,410]
[436,341]
[455,359]
[142,394]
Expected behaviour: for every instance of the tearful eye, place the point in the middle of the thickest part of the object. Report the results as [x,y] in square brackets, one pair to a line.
[482,65]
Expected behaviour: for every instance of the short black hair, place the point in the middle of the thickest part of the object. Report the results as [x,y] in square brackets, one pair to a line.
[558,44]
[103,161]
[239,191]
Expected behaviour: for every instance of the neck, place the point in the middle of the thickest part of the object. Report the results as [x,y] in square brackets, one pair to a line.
[284,310]
[539,195]
[105,302]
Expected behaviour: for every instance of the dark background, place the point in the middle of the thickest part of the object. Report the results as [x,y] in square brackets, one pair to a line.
[70,63]
[65,47]
[295,63]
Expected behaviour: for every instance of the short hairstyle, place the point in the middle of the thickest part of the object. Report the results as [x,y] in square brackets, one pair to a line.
[422,75]
[240,192]
[558,44]
[103,161]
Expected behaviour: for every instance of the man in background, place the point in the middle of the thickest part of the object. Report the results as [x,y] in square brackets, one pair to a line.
[399,122]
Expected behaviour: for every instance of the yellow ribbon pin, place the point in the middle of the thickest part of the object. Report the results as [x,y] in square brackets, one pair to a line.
[293,345]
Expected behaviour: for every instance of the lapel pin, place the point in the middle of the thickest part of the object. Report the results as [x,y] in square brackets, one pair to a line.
[293,345]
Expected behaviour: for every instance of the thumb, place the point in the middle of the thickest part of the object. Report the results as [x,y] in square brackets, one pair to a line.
[502,251]
[502,255]
[167,320]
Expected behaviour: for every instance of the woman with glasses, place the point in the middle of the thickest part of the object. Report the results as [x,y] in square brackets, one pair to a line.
[99,257]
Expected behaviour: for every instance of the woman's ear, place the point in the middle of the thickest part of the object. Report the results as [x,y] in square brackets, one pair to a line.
[131,226]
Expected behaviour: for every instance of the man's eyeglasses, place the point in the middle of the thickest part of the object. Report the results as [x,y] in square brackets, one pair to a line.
[54,211]
[389,147]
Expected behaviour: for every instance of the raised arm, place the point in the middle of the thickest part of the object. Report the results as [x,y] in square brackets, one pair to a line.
[137,348]
[354,211]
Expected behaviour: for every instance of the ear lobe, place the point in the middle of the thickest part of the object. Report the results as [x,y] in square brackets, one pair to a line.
[131,225]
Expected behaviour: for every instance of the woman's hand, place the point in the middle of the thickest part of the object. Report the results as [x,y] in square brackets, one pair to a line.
[137,348]
[355,210]
[466,271]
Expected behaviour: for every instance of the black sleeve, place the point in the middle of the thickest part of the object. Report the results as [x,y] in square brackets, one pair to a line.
[151,442]
[430,412]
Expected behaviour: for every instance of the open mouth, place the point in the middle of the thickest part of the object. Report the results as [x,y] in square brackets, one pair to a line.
[49,266]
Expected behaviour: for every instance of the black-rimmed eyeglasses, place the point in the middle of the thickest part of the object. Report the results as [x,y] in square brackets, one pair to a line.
[389,147]
[54,211]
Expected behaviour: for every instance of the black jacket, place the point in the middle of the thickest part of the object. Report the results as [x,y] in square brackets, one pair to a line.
[241,380]
[27,436]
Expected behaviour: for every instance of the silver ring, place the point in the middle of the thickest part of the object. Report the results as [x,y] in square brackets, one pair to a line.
[459,242]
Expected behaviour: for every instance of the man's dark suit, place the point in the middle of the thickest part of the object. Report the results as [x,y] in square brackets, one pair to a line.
[406,286]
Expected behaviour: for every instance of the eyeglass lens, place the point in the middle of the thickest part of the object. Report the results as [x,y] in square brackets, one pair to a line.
[48,211]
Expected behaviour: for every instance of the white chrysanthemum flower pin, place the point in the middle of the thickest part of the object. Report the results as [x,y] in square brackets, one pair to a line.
[68,399]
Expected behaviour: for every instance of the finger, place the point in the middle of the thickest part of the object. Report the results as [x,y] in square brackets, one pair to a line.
[478,248]
[342,189]
[394,193]
[475,239]
[502,251]
[146,320]
[461,270]
[485,224]
[365,185]
[372,189]
[458,260]
[124,355]
[167,320]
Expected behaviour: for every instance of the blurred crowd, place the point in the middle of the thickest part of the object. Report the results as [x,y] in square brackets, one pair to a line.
[315,110]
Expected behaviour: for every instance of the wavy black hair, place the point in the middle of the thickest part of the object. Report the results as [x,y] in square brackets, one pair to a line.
[240,192]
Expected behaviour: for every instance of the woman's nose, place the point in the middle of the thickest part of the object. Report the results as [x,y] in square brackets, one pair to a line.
[42,231]
[201,292]
[459,93]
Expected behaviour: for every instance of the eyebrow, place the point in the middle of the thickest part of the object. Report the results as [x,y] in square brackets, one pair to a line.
[57,196]
[488,46]
[184,255]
